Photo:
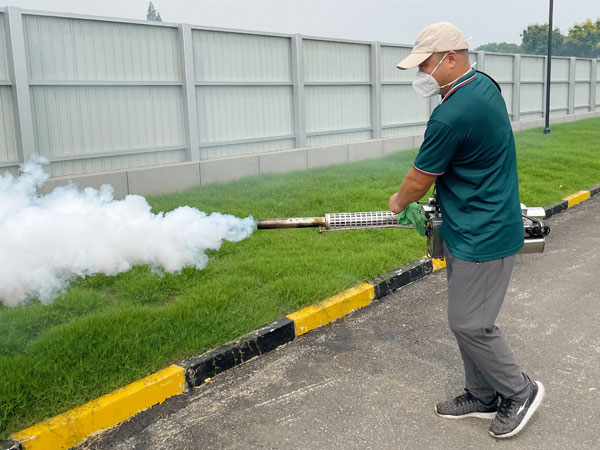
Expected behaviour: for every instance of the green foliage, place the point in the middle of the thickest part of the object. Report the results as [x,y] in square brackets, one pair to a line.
[501,47]
[582,41]
[105,332]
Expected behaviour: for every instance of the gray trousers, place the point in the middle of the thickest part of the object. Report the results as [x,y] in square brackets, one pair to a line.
[475,294]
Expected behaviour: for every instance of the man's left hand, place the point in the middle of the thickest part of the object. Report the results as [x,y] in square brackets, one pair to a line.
[395,205]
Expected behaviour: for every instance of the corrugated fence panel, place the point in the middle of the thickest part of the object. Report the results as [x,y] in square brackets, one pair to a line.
[582,95]
[532,68]
[559,86]
[246,148]
[231,113]
[84,128]
[336,61]
[560,69]
[390,57]
[237,113]
[85,121]
[100,164]
[499,67]
[559,96]
[60,49]
[531,98]
[221,56]
[473,59]
[337,138]
[8,143]
[333,108]
[402,131]
[598,83]
[337,108]
[400,104]
[583,70]
[507,94]
[4,76]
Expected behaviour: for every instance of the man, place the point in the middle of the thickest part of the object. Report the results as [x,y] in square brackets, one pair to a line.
[469,152]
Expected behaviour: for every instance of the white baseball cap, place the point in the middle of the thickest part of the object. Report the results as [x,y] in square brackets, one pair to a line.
[437,37]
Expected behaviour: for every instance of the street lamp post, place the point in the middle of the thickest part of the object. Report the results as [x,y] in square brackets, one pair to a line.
[547,127]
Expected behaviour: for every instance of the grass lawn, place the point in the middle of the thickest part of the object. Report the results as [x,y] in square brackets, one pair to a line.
[105,332]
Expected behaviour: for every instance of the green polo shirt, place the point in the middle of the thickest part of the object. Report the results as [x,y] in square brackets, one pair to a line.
[469,146]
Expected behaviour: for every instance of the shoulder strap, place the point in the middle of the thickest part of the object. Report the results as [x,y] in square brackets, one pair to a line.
[493,81]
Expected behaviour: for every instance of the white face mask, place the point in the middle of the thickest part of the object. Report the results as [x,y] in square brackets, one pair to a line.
[427,86]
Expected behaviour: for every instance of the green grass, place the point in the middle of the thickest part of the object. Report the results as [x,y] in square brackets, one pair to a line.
[105,332]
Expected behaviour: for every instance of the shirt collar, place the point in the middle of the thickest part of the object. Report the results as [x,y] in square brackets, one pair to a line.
[466,78]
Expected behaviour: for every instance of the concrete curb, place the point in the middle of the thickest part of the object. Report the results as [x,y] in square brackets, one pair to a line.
[83,422]
[199,369]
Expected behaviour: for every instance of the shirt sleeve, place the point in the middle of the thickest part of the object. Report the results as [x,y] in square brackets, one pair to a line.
[437,150]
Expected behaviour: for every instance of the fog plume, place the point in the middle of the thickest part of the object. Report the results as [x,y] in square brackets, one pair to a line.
[47,241]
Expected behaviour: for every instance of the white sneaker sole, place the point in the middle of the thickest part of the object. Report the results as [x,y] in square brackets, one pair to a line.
[537,401]
[478,415]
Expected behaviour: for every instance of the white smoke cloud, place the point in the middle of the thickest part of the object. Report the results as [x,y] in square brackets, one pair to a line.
[46,241]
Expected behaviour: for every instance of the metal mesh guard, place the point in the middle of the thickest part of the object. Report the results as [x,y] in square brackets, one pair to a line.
[358,220]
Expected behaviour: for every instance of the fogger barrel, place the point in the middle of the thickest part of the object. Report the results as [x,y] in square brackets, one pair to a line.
[534,229]
[337,221]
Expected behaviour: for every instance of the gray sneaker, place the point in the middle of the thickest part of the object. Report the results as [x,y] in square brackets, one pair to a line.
[512,415]
[466,406]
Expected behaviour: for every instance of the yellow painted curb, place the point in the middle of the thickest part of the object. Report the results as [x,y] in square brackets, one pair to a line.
[578,197]
[438,263]
[333,308]
[72,427]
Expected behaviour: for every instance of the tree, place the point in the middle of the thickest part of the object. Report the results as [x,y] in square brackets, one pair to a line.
[583,40]
[153,14]
[535,40]
[501,47]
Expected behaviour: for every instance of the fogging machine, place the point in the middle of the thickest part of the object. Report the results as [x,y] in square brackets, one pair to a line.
[534,228]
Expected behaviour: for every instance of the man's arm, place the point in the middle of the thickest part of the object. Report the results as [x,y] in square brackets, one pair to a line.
[414,186]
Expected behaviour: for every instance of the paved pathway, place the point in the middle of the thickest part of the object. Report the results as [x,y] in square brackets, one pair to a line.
[370,380]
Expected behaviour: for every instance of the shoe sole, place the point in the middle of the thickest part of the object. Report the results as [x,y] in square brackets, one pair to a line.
[478,415]
[537,401]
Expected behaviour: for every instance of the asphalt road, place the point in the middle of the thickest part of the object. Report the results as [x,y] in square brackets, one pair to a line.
[371,379]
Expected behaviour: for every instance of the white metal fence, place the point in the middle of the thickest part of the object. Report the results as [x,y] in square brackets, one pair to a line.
[94,94]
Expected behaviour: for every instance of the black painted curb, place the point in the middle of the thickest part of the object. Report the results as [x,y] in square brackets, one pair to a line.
[10,445]
[556,208]
[594,190]
[402,276]
[265,339]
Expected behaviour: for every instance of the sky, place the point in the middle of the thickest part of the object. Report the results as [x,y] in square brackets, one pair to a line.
[390,21]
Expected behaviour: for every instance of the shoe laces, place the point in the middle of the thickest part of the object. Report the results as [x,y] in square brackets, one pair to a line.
[507,406]
[465,398]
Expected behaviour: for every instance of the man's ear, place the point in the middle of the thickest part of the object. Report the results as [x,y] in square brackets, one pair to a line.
[452,58]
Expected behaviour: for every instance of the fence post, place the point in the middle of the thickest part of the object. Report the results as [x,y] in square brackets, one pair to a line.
[376,89]
[298,86]
[593,84]
[572,61]
[480,61]
[516,98]
[19,78]
[188,80]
